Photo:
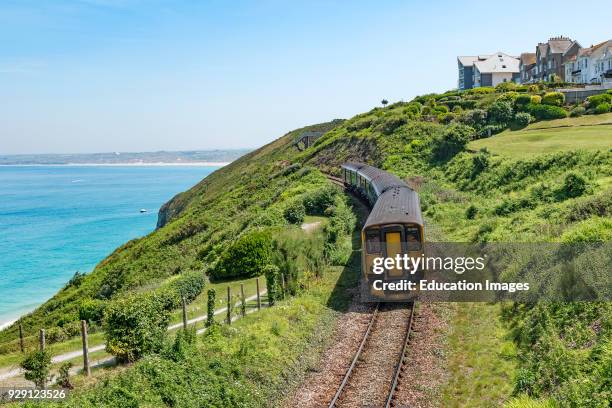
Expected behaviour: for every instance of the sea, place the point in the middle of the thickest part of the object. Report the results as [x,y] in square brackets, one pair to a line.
[57,220]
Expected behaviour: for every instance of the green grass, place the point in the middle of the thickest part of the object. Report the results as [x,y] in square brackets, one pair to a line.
[481,362]
[586,120]
[518,144]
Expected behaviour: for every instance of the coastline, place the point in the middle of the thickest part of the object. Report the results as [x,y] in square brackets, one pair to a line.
[143,164]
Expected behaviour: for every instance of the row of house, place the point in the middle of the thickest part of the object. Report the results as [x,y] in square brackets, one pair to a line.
[558,58]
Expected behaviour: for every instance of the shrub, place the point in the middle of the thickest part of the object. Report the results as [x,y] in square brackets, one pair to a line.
[482,90]
[573,186]
[210,307]
[554,99]
[522,100]
[500,112]
[316,202]
[577,111]
[602,108]
[273,285]
[446,118]
[452,141]
[508,97]
[475,118]
[506,86]
[63,377]
[135,325]
[522,119]
[188,285]
[246,257]
[470,212]
[546,112]
[92,310]
[388,124]
[596,100]
[295,212]
[536,99]
[37,366]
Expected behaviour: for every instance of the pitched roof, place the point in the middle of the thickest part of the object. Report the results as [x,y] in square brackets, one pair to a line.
[468,60]
[558,45]
[528,58]
[498,62]
[595,50]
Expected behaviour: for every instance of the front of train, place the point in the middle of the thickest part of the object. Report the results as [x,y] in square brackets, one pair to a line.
[393,238]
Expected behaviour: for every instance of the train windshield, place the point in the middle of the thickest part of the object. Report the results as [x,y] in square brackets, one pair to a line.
[413,238]
[373,241]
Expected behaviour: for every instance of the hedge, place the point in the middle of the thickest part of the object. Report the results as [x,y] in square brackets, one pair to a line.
[246,257]
[136,325]
[546,112]
[554,99]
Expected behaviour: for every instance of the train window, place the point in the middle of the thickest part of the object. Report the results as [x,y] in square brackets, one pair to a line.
[373,242]
[413,238]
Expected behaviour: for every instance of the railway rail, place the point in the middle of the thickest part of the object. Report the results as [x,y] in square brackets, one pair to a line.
[392,370]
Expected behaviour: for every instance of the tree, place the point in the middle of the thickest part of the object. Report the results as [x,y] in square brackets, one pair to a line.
[135,325]
[246,257]
[37,366]
[384,102]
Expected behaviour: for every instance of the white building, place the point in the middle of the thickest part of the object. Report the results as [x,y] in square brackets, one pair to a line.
[496,69]
[592,65]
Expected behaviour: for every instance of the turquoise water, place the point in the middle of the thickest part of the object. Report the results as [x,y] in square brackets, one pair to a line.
[56,220]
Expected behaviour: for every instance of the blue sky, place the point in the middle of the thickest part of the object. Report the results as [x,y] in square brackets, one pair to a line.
[130,75]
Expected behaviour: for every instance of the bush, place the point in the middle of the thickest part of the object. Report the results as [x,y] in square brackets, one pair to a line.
[522,119]
[508,97]
[295,213]
[446,118]
[595,100]
[522,100]
[546,112]
[536,99]
[37,366]
[188,285]
[500,112]
[273,285]
[475,118]
[63,377]
[316,202]
[573,186]
[135,325]
[210,307]
[577,111]
[481,90]
[246,257]
[452,141]
[602,108]
[92,310]
[554,99]
[470,212]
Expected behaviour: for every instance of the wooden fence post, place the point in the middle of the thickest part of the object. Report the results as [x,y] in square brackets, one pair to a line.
[229,305]
[284,284]
[242,301]
[184,303]
[21,346]
[42,339]
[258,297]
[86,369]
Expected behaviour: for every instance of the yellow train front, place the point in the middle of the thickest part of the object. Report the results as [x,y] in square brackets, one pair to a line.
[393,229]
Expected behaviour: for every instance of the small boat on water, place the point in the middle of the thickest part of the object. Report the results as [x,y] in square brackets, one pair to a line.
[143,210]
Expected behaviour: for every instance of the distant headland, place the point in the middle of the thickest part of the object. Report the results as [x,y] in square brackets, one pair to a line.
[194,157]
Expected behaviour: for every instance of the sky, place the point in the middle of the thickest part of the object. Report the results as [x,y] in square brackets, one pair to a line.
[146,75]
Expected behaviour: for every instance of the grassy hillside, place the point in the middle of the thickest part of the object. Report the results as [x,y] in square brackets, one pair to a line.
[562,350]
[198,225]
[569,134]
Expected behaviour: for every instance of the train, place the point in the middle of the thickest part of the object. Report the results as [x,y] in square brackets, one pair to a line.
[394,226]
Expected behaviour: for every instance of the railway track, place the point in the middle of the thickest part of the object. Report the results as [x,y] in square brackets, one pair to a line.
[378,366]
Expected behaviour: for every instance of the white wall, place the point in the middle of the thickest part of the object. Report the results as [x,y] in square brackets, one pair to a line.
[499,77]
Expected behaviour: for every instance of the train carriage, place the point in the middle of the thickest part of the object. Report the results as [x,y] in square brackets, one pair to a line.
[395,224]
